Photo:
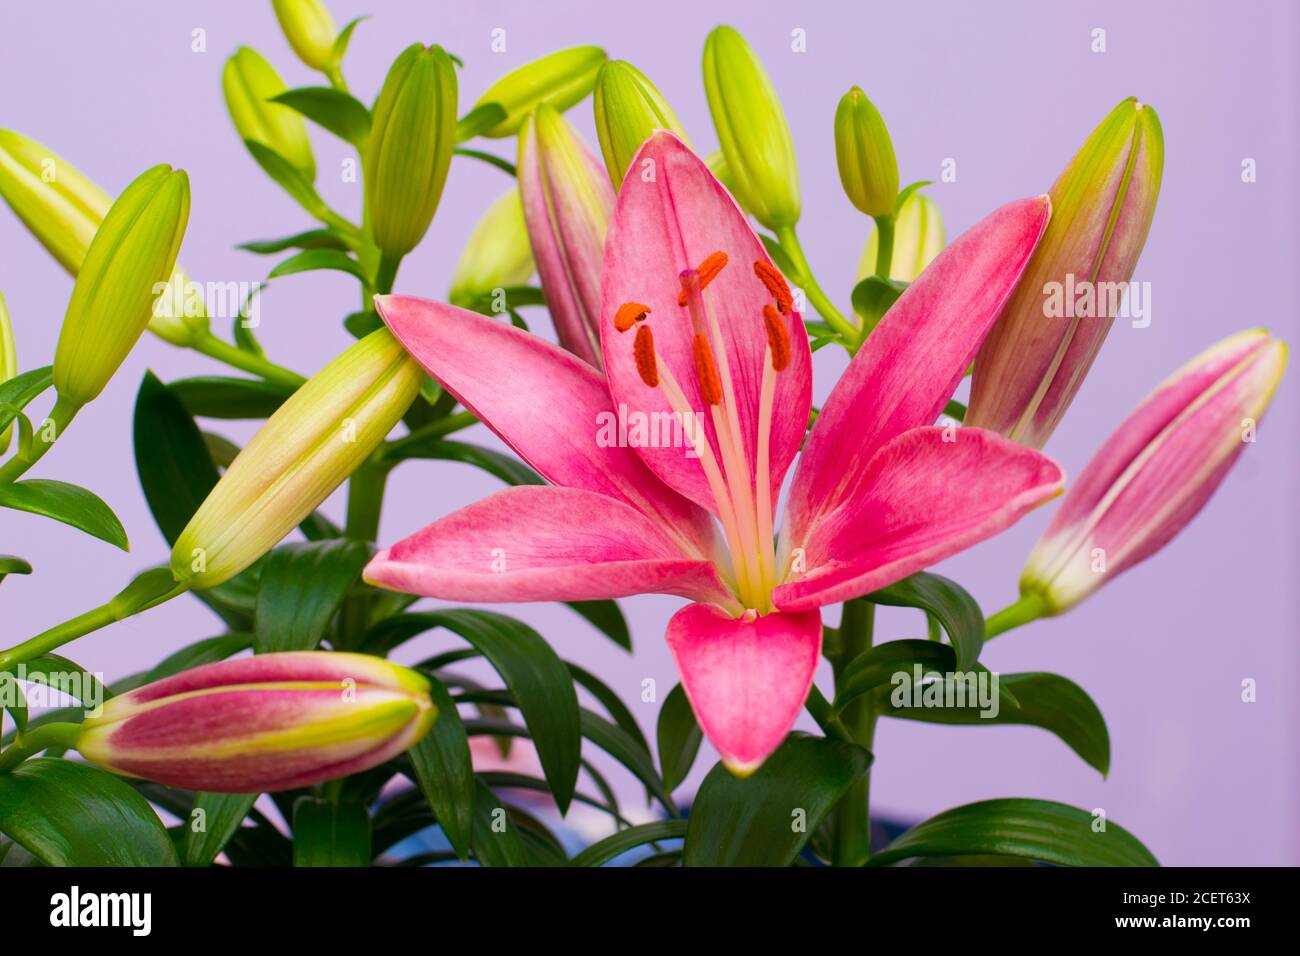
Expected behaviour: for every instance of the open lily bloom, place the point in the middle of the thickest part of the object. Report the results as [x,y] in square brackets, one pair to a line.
[666,471]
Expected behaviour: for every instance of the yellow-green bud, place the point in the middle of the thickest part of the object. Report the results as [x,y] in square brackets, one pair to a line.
[559,79]
[128,265]
[497,255]
[62,209]
[314,441]
[409,149]
[628,109]
[865,155]
[752,130]
[8,363]
[310,30]
[918,238]
[249,83]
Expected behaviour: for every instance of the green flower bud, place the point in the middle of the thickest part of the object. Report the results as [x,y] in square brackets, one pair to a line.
[918,238]
[409,149]
[865,155]
[751,129]
[559,79]
[310,30]
[497,255]
[62,209]
[628,109]
[249,83]
[314,441]
[128,265]
[8,363]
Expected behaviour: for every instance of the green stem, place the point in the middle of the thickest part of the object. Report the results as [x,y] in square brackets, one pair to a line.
[386,274]
[365,504]
[884,245]
[1031,606]
[853,816]
[392,451]
[846,330]
[120,607]
[236,357]
[60,417]
[334,74]
[36,740]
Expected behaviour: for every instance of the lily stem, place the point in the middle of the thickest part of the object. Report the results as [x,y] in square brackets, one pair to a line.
[236,357]
[884,245]
[36,740]
[853,816]
[1030,607]
[60,417]
[846,330]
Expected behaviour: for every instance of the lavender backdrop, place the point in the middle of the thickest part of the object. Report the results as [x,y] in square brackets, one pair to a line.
[1009,90]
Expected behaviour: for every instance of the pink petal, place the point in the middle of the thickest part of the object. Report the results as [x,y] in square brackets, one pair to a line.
[1158,469]
[913,361]
[928,494]
[746,679]
[552,408]
[663,225]
[535,543]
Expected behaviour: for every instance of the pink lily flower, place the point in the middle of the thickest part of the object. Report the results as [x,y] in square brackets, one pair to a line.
[879,492]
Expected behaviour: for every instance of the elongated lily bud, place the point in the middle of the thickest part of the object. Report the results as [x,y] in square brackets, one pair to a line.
[249,82]
[752,130]
[559,79]
[127,267]
[1035,358]
[262,724]
[865,155]
[315,440]
[918,237]
[310,30]
[1157,470]
[628,109]
[497,254]
[8,363]
[62,209]
[568,203]
[409,149]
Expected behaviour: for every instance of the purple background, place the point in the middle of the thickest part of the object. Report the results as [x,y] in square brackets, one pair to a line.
[1007,89]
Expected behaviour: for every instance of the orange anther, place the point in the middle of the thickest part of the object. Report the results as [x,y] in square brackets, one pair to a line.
[628,314]
[778,337]
[643,349]
[776,285]
[706,372]
[713,263]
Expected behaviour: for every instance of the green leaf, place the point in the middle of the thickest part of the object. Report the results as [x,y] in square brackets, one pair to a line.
[175,468]
[219,396]
[884,664]
[873,297]
[479,120]
[310,260]
[603,851]
[340,48]
[221,814]
[750,822]
[612,703]
[536,677]
[330,834]
[484,157]
[360,324]
[16,392]
[906,192]
[68,503]
[303,586]
[308,239]
[62,675]
[14,700]
[340,113]
[507,299]
[287,176]
[678,737]
[1042,700]
[495,839]
[955,410]
[957,611]
[506,467]
[606,617]
[12,564]
[616,742]
[1034,829]
[207,651]
[67,813]
[445,772]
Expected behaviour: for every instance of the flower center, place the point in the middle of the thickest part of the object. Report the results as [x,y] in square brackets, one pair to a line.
[742,495]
